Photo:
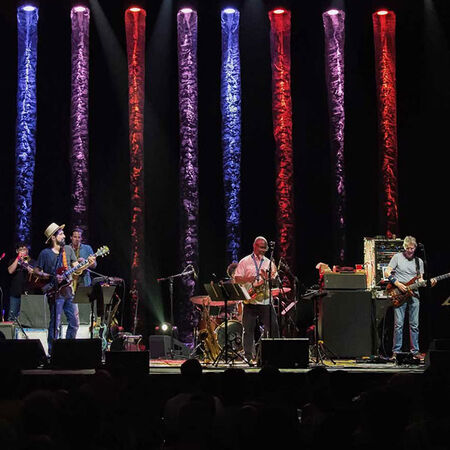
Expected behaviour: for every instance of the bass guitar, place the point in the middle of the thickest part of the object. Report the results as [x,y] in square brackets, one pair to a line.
[398,297]
[51,289]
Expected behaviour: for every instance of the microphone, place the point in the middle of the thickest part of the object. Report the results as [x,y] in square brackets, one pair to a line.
[193,271]
[279,264]
[420,245]
[272,244]
[2,256]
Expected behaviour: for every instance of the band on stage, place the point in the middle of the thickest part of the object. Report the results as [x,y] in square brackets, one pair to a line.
[228,322]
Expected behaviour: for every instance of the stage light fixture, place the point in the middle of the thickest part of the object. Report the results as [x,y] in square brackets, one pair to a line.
[134,9]
[79,8]
[332,12]
[382,12]
[229,10]
[186,10]
[29,8]
[164,328]
[279,11]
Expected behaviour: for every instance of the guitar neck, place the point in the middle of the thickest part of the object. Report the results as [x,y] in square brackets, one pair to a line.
[442,277]
[418,284]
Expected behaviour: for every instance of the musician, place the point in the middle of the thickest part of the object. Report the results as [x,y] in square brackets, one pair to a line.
[82,252]
[51,261]
[19,268]
[252,272]
[402,267]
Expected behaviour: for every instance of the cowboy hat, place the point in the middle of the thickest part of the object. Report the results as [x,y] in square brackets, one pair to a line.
[51,230]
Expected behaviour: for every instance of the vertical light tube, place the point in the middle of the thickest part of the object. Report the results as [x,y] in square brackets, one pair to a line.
[188,112]
[79,155]
[231,129]
[384,38]
[135,35]
[27,28]
[280,37]
[334,26]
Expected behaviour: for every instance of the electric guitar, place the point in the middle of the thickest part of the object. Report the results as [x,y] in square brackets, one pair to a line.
[398,297]
[51,289]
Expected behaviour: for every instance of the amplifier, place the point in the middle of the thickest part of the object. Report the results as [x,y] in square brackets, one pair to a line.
[7,330]
[344,280]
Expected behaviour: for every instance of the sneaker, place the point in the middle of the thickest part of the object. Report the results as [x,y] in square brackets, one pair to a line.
[419,355]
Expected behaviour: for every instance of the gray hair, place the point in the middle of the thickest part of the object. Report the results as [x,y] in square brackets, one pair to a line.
[260,238]
[409,240]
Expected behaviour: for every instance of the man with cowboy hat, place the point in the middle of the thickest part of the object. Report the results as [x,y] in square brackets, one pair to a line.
[58,256]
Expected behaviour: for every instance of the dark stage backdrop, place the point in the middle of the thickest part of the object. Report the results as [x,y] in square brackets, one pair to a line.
[423,115]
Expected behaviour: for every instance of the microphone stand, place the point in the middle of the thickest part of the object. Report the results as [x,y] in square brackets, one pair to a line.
[427,290]
[271,246]
[285,267]
[2,311]
[170,279]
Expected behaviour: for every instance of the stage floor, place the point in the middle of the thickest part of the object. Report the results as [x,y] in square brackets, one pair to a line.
[168,366]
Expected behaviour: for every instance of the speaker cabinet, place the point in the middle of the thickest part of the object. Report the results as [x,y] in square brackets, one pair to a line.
[34,311]
[137,363]
[438,356]
[345,323]
[18,354]
[33,333]
[285,353]
[159,345]
[76,353]
[7,330]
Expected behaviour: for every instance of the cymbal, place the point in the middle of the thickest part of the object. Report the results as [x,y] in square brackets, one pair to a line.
[278,291]
[206,300]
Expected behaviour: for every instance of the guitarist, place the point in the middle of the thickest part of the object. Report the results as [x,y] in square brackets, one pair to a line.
[252,272]
[19,279]
[82,252]
[402,267]
[51,261]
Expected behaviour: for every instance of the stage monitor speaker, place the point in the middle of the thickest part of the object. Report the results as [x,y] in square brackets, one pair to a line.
[34,311]
[76,353]
[7,330]
[137,363]
[345,323]
[285,353]
[159,345]
[438,356]
[18,354]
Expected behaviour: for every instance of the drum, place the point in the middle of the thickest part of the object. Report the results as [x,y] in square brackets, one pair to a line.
[234,335]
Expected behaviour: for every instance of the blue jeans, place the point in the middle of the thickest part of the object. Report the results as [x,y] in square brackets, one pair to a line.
[399,319]
[14,308]
[73,320]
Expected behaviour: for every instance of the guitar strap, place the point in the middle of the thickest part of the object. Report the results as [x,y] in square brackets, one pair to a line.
[417,267]
[64,259]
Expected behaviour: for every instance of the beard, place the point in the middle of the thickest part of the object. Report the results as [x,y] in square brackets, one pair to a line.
[408,255]
[62,242]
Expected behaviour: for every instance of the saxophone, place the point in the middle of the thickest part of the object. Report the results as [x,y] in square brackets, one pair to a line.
[208,336]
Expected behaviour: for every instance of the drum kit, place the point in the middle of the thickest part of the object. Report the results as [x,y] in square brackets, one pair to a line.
[216,317]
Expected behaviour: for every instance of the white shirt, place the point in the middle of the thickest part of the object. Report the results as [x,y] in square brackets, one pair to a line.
[247,268]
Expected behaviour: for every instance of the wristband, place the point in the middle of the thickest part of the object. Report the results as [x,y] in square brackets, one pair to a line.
[392,279]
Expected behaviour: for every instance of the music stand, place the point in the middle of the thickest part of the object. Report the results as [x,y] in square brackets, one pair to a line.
[226,292]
